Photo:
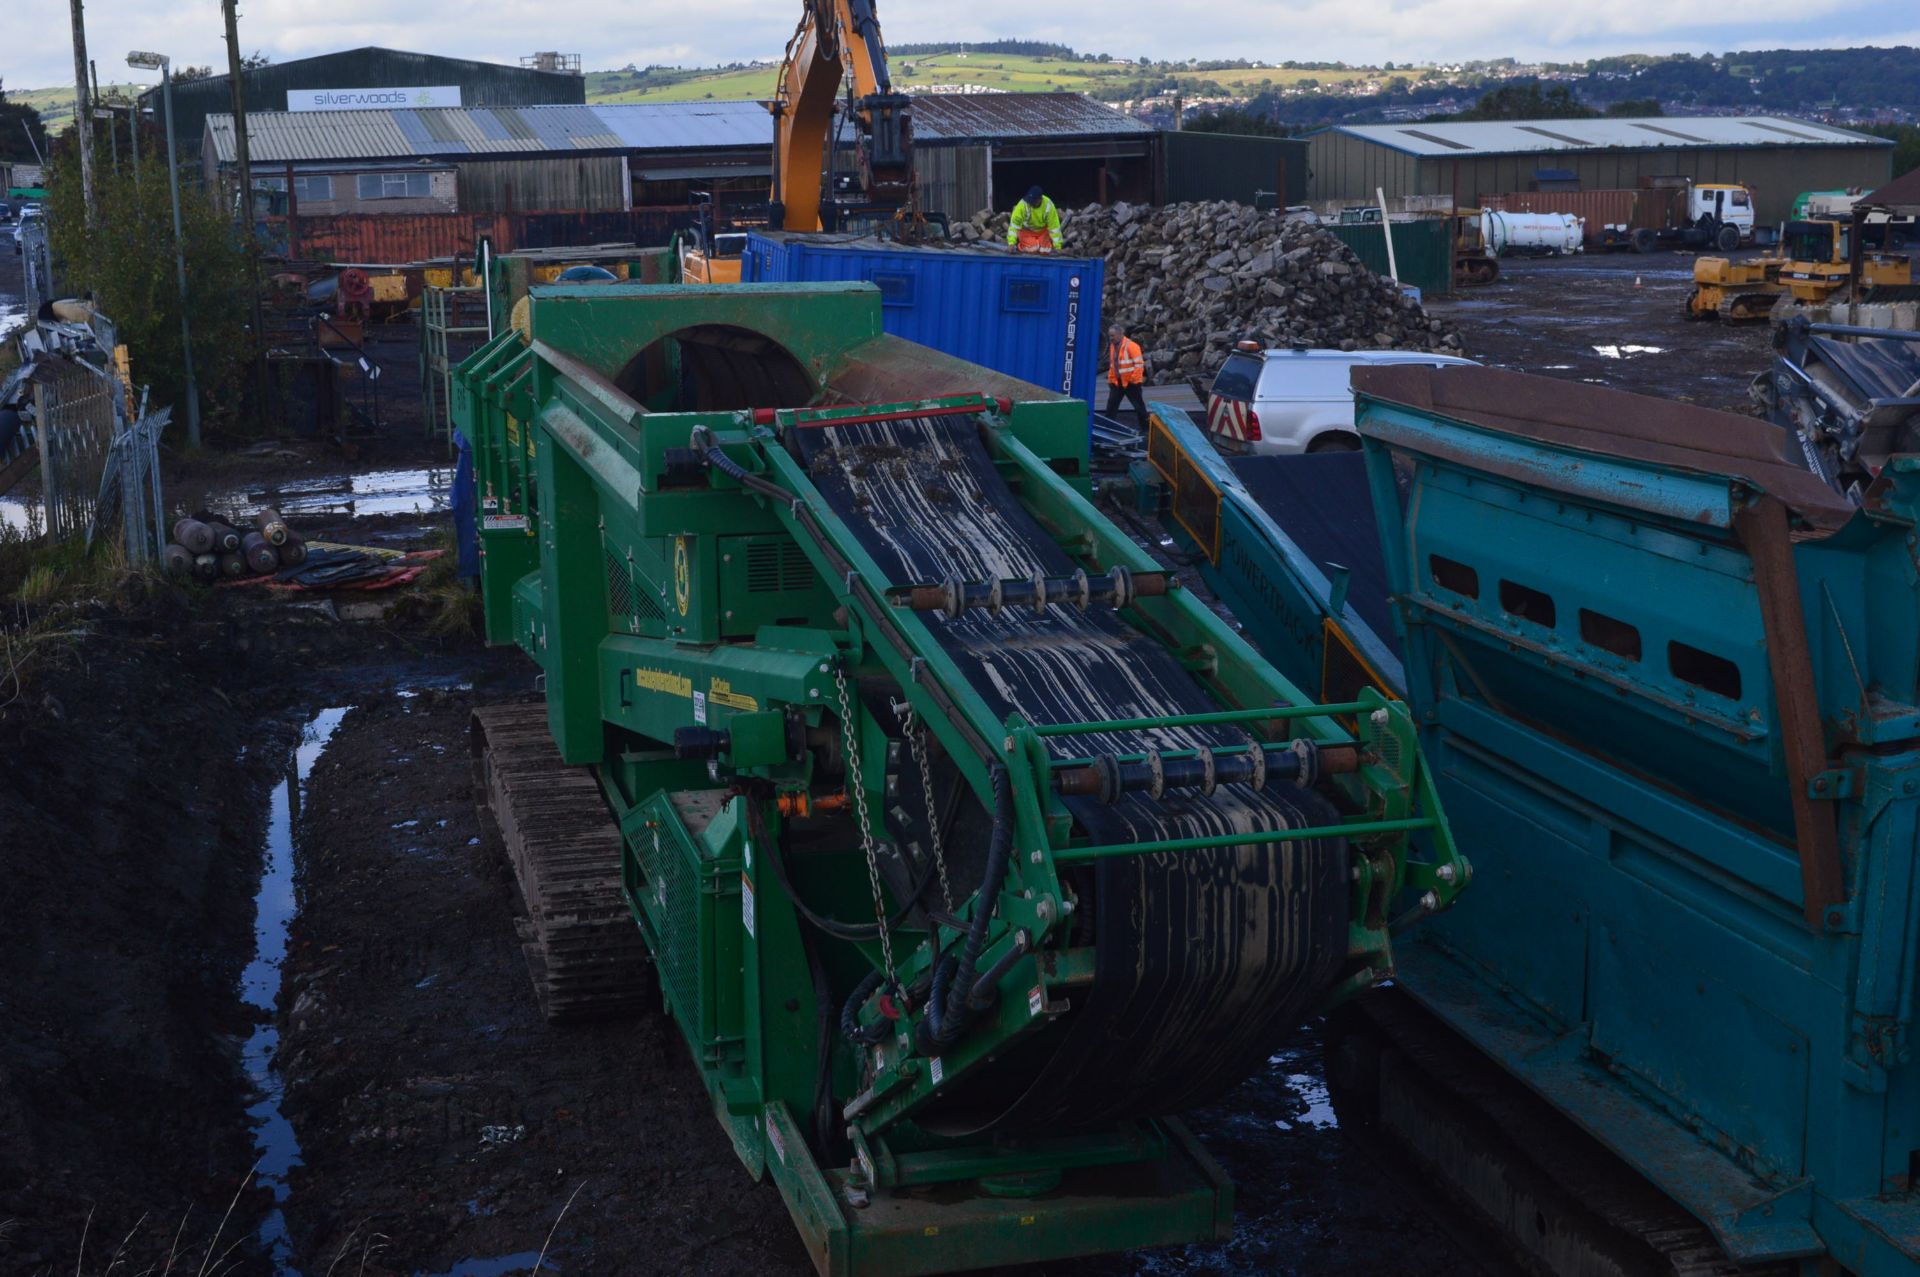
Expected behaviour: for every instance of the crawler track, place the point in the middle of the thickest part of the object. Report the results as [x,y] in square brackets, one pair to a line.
[585,953]
[1564,1205]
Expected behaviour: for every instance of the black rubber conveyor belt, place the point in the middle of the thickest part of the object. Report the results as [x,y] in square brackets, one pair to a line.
[1203,958]
[1322,501]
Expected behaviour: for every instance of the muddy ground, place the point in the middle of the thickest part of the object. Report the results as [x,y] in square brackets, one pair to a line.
[1614,320]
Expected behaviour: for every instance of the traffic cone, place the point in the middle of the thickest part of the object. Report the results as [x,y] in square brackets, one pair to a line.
[1636,281]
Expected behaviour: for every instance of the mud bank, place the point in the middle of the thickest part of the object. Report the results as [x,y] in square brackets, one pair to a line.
[136,769]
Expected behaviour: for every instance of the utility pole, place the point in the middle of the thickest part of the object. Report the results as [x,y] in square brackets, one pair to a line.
[164,64]
[237,86]
[83,105]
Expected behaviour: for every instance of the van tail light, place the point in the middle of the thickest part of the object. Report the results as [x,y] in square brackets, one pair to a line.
[1253,425]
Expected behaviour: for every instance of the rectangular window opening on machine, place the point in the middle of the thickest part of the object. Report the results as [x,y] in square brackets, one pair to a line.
[1527,603]
[1609,634]
[1704,670]
[1453,575]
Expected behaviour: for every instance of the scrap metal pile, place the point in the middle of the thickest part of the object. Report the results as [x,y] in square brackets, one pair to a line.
[1189,280]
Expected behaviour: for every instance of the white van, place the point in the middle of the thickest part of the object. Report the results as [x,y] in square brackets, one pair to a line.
[1282,401]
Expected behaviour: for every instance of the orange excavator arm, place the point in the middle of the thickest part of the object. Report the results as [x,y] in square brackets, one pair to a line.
[835,37]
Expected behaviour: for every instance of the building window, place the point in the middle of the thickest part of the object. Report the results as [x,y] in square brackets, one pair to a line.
[394,186]
[309,190]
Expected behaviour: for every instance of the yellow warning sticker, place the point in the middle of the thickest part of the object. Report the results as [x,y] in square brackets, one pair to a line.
[663,681]
[721,693]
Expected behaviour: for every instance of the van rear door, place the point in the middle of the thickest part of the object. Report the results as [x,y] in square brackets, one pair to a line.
[1230,415]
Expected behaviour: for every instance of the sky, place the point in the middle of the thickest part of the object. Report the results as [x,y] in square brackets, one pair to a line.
[35,50]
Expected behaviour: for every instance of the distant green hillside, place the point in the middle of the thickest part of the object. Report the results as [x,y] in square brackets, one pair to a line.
[56,105]
[998,72]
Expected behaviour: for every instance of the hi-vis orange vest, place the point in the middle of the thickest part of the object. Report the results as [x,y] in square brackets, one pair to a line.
[1126,366]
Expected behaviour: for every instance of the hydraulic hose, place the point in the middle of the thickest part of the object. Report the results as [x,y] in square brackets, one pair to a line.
[850,1026]
[948,1009]
[726,465]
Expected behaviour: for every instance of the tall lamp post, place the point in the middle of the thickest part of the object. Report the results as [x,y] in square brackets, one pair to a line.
[162,63]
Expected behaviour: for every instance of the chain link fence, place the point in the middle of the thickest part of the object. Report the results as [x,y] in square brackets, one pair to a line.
[98,447]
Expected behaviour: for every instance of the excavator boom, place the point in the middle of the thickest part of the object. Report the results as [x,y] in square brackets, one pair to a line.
[836,37]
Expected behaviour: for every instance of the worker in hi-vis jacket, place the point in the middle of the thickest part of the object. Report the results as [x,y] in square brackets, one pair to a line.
[1035,224]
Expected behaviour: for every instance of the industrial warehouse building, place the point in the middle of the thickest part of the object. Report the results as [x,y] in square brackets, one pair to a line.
[369,75]
[1777,157]
[972,151]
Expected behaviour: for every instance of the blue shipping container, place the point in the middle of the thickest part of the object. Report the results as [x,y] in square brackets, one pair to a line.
[1032,317]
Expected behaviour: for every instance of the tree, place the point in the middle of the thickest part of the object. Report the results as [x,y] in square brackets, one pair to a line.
[1398,86]
[17,122]
[1234,119]
[259,58]
[1633,107]
[186,75]
[1526,101]
[126,259]
[1906,144]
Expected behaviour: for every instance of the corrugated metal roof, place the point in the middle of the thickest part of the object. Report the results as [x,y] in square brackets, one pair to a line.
[991,117]
[668,126]
[1500,137]
[281,137]
[290,136]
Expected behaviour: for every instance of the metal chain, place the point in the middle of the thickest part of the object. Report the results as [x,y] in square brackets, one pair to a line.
[917,742]
[851,747]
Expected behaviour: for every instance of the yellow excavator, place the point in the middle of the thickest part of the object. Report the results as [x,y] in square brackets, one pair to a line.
[835,39]
[1813,264]
[1819,262]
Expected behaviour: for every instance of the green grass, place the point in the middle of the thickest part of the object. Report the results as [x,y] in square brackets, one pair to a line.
[56,105]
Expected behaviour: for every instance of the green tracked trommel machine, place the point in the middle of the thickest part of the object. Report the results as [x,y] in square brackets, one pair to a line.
[965,846]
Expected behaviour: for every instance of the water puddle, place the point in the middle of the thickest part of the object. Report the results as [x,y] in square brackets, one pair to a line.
[275,905]
[1627,352]
[1308,1088]
[23,518]
[13,316]
[381,492]
[500,1266]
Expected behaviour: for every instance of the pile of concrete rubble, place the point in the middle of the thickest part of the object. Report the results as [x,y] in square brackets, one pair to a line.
[1189,280]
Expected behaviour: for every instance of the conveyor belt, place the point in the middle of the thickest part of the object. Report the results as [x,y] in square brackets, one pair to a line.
[1203,958]
[1322,501]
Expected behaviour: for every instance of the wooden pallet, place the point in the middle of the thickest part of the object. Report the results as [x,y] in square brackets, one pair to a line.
[584,951]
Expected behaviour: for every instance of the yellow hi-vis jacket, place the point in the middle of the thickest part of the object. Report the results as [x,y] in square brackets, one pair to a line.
[1025,216]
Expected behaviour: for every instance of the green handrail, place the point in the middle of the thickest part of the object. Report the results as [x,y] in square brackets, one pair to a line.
[1195,720]
[1077,855]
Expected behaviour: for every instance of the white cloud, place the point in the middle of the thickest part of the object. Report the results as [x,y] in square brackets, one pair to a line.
[609,33]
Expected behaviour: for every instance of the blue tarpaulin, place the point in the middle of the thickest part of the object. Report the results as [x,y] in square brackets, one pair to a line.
[466,533]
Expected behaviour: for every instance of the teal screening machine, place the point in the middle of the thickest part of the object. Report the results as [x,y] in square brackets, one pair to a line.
[1669,686]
